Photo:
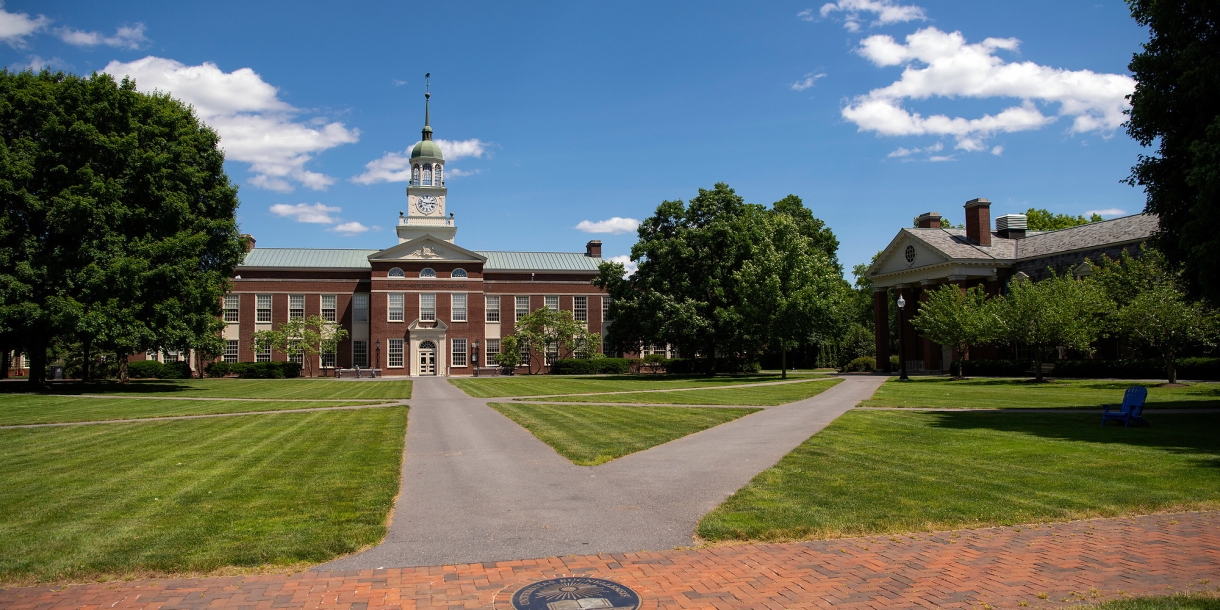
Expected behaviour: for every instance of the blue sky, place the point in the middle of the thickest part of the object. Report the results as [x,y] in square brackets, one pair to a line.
[872,111]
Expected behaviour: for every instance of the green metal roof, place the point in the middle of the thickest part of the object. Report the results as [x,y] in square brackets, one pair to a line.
[336,258]
[427,149]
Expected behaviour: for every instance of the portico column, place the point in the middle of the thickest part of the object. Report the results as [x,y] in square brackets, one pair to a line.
[881,328]
[931,350]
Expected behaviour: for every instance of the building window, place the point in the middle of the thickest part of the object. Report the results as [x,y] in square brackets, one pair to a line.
[606,301]
[523,307]
[296,307]
[580,309]
[427,272]
[262,308]
[493,350]
[458,353]
[232,302]
[459,272]
[151,354]
[329,310]
[427,307]
[552,353]
[230,354]
[552,303]
[492,309]
[523,352]
[328,359]
[427,175]
[415,174]
[360,307]
[395,272]
[457,304]
[172,355]
[438,175]
[360,354]
[606,346]
[263,356]
[394,355]
[395,308]
[294,352]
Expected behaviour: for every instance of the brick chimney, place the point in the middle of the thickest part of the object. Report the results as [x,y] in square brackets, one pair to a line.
[978,221]
[928,220]
[593,249]
[249,239]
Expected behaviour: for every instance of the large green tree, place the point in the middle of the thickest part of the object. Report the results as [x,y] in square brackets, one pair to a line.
[958,318]
[1164,320]
[1057,311]
[1039,219]
[119,229]
[1176,106]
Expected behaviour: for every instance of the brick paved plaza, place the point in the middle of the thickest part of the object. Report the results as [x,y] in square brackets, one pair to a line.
[1044,566]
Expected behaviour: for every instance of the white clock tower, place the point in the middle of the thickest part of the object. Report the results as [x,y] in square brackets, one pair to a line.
[426,192]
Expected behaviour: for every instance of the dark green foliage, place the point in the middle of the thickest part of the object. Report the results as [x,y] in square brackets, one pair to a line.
[814,229]
[217,369]
[119,231]
[863,364]
[1045,220]
[281,369]
[691,366]
[145,369]
[1176,106]
[1204,369]
[590,366]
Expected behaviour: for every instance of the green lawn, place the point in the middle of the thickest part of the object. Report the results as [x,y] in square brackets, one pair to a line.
[1174,602]
[993,393]
[547,385]
[760,396]
[42,409]
[193,496]
[287,389]
[592,435]
[873,472]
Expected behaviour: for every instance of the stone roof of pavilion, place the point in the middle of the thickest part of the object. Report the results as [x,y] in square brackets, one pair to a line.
[1037,244]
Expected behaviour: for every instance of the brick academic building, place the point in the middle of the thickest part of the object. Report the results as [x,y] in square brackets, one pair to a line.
[425,306]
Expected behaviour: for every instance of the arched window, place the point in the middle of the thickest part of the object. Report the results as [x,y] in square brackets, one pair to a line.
[415,174]
[427,272]
[459,272]
[396,272]
[427,174]
[439,182]
[427,345]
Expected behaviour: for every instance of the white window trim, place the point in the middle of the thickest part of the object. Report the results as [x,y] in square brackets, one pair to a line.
[290,307]
[454,297]
[490,355]
[421,307]
[402,355]
[390,307]
[517,310]
[546,302]
[257,310]
[322,308]
[576,310]
[236,309]
[488,300]
[453,353]
[360,314]
[395,272]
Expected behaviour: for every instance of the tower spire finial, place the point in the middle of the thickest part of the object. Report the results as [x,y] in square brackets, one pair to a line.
[427,133]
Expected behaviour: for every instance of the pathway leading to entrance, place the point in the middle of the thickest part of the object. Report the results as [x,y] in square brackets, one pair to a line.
[477,487]
[1046,566]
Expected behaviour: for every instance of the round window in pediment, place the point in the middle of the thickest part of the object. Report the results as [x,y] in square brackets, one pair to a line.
[459,272]
[427,272]
[910,254]
[396,272]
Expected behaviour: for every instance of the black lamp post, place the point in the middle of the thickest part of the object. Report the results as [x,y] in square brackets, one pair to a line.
[902,351]
[474,356]
[377,347]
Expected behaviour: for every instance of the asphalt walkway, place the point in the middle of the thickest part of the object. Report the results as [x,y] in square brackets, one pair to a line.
[477,487]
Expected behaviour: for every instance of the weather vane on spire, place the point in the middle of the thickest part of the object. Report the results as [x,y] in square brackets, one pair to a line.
[427,133]
[427,94]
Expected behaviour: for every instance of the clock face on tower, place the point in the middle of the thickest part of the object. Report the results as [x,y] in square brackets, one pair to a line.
[426,203]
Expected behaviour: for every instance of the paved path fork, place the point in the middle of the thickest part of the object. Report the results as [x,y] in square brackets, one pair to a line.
[477,487]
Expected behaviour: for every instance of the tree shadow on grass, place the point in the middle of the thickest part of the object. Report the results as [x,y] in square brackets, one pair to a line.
[1191,433]
[73,388]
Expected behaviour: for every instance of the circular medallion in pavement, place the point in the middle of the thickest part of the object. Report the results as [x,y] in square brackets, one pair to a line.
[575,593]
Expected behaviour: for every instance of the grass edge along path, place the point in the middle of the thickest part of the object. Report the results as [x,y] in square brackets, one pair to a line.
[536,386]
[588,435]
[1019,393]
[889,472]
[1187,601]
[761,395]
[232,494]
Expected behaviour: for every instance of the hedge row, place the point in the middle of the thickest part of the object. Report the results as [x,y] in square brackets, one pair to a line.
[254,370]
[590,366]
[151,369]
[691,366]
[1188,368]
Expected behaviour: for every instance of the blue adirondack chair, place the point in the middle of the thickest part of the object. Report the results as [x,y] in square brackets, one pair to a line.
[1131,409]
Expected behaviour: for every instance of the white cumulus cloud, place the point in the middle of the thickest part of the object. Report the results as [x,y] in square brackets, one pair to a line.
[940,64]
[806,15]
[902,152]
[304,212]
[396,166]
[806,82]
[14,27]
[126,37]
[626,261]
[885,12]
[350,228]
[614,226]
[255,126]
[1106,212]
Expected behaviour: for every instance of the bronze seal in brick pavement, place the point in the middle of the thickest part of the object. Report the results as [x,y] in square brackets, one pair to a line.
[575,593]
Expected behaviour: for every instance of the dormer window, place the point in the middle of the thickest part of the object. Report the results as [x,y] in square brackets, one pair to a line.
[427,272]
[459,272]
[396,272]
[427,174]
[415,174]
[439,182]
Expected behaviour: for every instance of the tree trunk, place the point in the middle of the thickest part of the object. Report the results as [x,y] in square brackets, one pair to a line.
[123,377]
[1038,364]
[783,363]
[84,367]
[1171,367]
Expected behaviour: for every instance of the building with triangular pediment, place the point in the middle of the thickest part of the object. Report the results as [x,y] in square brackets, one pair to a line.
[928,255]
[425,306]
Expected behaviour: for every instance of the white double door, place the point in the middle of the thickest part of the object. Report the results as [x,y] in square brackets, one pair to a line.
[427,358]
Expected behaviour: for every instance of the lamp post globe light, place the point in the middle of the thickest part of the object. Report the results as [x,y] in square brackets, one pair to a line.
[902,352]
[377,350]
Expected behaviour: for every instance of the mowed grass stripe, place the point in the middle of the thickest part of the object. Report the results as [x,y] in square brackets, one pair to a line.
[990,393]
[874,472]
[108,501]
[282,389]
[547,385]
[17,409]
[764,395]
[592,435]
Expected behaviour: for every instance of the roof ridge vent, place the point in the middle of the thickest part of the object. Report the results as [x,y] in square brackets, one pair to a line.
[1012,226]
